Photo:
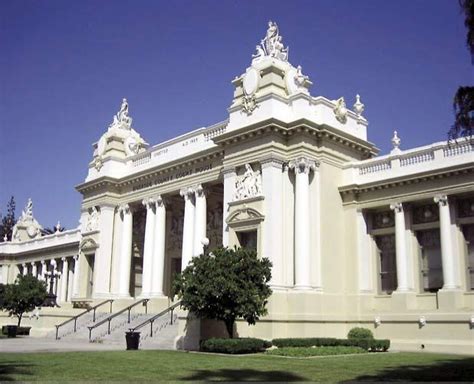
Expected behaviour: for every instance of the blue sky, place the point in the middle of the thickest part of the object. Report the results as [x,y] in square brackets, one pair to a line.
[66,65]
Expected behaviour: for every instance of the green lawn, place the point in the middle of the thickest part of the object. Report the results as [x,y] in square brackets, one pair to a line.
[135,366]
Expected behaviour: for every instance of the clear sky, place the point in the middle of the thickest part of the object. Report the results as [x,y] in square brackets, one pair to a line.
[66,65]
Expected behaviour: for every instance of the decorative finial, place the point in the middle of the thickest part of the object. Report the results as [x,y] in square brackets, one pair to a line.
[358,106]
[27,213]
[396,143]
[58,227]
[271,45]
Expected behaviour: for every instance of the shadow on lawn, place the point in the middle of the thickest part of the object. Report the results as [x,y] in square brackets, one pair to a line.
[9,368]
[243,375]
[446,370]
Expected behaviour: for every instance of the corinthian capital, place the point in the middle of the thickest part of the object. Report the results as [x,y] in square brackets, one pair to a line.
[397,207]
[187,193]
[148,202]
[159,201]
[441,200]
[303,165]
[199,190]
[124,209]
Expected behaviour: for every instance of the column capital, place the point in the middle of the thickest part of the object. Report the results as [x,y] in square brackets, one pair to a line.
[303,165]
[159,202]
[149,202]
[23,265]
[187,192]
[76,257]
[43,262]
[63,258]
[397,207]
[33,262]
[272,161]
[124,209]
[199,190]
[441,200]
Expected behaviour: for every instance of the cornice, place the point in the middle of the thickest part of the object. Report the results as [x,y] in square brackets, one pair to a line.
[405,180]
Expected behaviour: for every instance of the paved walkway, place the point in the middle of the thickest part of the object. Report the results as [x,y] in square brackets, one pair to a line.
[26,344]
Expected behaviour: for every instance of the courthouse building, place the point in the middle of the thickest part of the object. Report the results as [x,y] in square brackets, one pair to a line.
[355,239]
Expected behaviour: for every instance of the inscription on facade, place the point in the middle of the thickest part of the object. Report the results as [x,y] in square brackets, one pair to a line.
[173,176]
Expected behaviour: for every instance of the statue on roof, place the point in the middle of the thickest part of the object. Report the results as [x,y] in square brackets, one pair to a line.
[272,44]
[122,120]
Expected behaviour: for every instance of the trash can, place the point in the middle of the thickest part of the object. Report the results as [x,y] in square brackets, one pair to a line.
[11,330]
[133,339]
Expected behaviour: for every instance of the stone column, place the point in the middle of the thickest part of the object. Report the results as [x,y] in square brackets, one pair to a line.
[447,251]
[229,190]
[34,270]
[43,270]
[64,276]
[77,282]
[158,266]
[200,219]
[400,248]
[188,227]
[302,167]
[24,270]
[71,278]
[54,276]
[272,186]
[103,255]
[125,256]
[149,203]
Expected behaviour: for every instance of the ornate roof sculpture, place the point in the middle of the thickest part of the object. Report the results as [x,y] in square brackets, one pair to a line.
[120,130]
[27,227]
[271,45]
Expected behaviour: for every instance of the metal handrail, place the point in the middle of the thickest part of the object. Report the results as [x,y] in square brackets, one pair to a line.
[152,319]
[94,308]
[144,302]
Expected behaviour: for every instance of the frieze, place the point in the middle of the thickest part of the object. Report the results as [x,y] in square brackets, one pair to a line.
[173,176]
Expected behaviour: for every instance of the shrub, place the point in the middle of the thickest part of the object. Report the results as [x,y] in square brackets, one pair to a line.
[373,345]
[317,351]
[235,346]
[360,333]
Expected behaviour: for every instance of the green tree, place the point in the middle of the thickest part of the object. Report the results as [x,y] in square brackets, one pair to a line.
[463,102]
[225,284]
[51,230]
[23,296]
[8,221]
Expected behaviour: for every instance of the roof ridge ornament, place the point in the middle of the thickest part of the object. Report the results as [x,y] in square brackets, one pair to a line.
[271,45]
[396,143]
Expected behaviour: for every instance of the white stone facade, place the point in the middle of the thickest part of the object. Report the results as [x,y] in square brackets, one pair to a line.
[354,238]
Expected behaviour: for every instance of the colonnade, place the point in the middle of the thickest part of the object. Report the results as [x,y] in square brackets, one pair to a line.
[405,277]
[62,272]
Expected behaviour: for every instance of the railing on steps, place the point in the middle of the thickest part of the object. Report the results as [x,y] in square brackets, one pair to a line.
[94,309]
[152,319]
[144,302]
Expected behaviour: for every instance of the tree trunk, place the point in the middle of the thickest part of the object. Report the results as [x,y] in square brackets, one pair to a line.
[229,324]
[19,318]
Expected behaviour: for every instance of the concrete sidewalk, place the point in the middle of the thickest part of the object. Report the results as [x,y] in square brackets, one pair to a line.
[26,344]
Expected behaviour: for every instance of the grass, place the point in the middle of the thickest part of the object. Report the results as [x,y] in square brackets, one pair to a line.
[314,351]
[128,366]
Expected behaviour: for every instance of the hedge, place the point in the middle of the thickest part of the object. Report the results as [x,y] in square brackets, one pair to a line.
[360,333]
[235,346]
[374,345]
[318,351]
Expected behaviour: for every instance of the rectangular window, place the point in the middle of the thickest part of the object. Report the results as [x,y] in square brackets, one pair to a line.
[248,239]
[388,264]
[431,265]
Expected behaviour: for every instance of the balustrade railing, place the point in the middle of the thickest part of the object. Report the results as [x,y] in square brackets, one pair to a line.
[108,320]
[75,318]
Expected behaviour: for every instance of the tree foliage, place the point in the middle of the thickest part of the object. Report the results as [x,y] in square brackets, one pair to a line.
[463,102]
[52,230]
[8,221]
[23,296]
[225,285]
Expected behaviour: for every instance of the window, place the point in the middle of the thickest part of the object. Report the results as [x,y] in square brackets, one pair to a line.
[431,266]
[248,239]
[388,264]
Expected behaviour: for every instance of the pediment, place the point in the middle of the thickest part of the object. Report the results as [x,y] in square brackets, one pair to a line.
[244,214]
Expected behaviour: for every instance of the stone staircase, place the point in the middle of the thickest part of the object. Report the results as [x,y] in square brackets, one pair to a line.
[164,330]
